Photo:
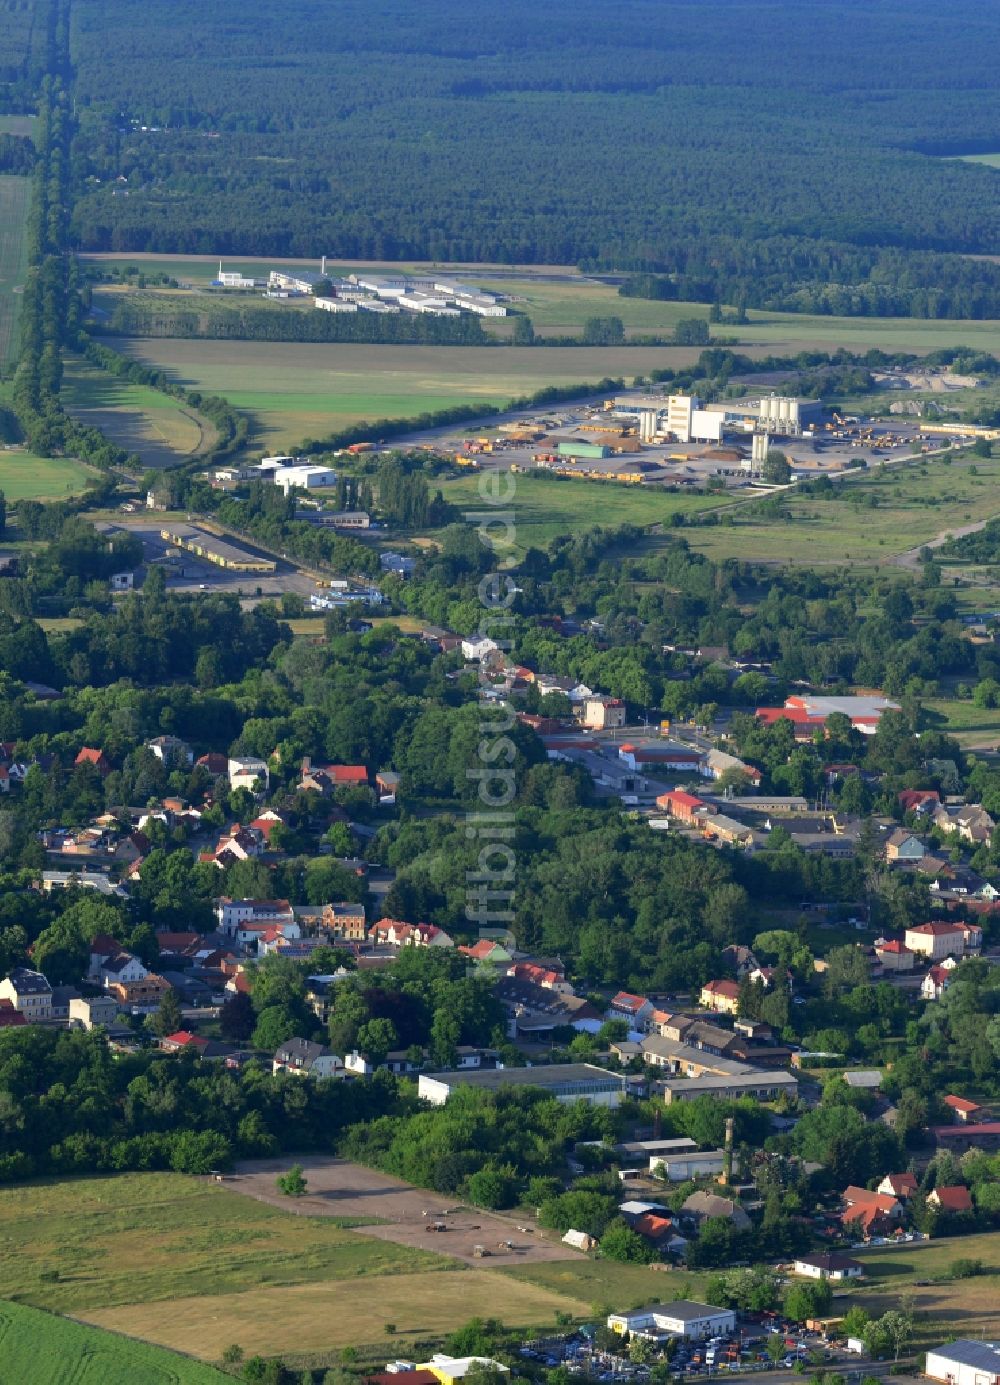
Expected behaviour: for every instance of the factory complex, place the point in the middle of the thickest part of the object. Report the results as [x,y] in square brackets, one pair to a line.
[431,294]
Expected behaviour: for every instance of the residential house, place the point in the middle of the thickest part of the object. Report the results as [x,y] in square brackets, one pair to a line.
[215,763]
[549,978]
[392,933]
[477,648]
[87,1012]
[721,996]
[604,713]
[387,783]
[184,1041]
[740,958]
[487,952]
[9,1017]
[830,1265]
[247,772]
[660,1232]
[955,1199]
[344,920]
[895,955]
[577,692]
[873,1213]
[719,762]
[123,967]
[703,1206]
[62,996]
[936,982]
[970,822]
[266,822]
[172,751]
[140,997]
[904,846]
[30,993]
[962,1111]
[923,802]
[90,756]
[634,1009]
[232,913]
[306,1059]
[936,940]
[899,1185]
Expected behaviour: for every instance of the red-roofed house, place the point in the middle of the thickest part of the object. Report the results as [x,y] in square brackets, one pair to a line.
[487,952]
[963,1111]
[674,758]
[89,756]
[636,1010]
[537,975]
[874,1213]
[895,955]
[936,982]
[680,805]
[215,762]
[183,1040]
[952,1199]
[721,996]
[658,1230]
[936,940]
[267,822]
[392,933]
[899,1185]
[919,800]
[10,1016]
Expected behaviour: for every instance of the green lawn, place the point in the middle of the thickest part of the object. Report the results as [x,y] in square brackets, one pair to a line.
[144,1238]
[914,503]
[546,506]
[163,431]
[15,197]
[969,724]
[609,1287]
[23,476]
[990,160]
[40,1349]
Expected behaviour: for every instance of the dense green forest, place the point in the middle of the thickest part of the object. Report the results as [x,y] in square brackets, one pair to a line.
[710,141]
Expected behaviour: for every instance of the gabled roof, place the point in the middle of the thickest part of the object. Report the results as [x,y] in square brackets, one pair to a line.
[730,989]
[829,1261]
[902,1184]
[955,1198]
[631,1003]
[935,930]
[959,1103]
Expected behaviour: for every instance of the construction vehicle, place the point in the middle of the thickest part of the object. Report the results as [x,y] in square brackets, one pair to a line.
[480,1252]
[435,1226]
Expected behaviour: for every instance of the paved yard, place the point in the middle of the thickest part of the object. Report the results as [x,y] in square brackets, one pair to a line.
[397,1212]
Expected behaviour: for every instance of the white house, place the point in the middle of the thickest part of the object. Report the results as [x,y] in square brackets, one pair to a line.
[829,1265]
[245,771]
[121,969]
[475,649]
[936,940]
[29,992]
[231,913]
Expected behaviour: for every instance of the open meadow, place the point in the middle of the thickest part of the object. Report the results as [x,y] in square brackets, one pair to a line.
[23,476]
[189,1264]
[40,1349]
[15,197]
[293,391]
[873,519]
[161,430]
[919,1272]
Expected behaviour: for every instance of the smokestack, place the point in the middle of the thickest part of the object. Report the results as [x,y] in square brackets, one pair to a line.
[323,267]
[727,1162]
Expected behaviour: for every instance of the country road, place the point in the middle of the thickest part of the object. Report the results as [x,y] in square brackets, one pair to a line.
[911,557]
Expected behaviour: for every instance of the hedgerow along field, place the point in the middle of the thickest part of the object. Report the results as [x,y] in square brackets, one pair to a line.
[40,1349]
[15,197]
[163,431]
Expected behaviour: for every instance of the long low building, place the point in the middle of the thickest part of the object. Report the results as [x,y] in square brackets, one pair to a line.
[682,1318]
[680,1167]
[965,1362]
[764,1086]
[564,1081]
[216,550]
[687,1060]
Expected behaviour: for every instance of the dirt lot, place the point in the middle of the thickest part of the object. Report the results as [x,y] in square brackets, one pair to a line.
[340,1189]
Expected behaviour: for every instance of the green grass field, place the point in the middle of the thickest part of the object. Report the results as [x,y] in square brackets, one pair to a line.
[15,196]
[294,391]
[18,125]
[943,1308]
[23,476]
[915,502]
[162,430]
[609,1287]
[545,506]
[39,1349]
[969,724]
[990,160]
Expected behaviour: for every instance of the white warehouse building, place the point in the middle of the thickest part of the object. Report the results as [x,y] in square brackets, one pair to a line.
[694,1321]
[306,477]
[965,1362]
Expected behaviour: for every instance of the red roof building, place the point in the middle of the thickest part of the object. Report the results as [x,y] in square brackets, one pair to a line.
[680,805]
[89,756]
[9,1017]
[952,1199]
[962,1110]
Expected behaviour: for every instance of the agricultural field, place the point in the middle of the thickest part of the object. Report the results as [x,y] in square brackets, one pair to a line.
[15,196]
[973,727]
[608,1287]
[18,125]
[39,1349]
[875,519]
[546,506]
[23,476]
[293,391]
[161,430]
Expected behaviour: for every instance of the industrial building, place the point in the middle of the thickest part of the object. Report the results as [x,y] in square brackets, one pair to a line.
[694,1321]
[216,550]
[762,1086]
[305,477]
[965,1362]
[564,1081]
